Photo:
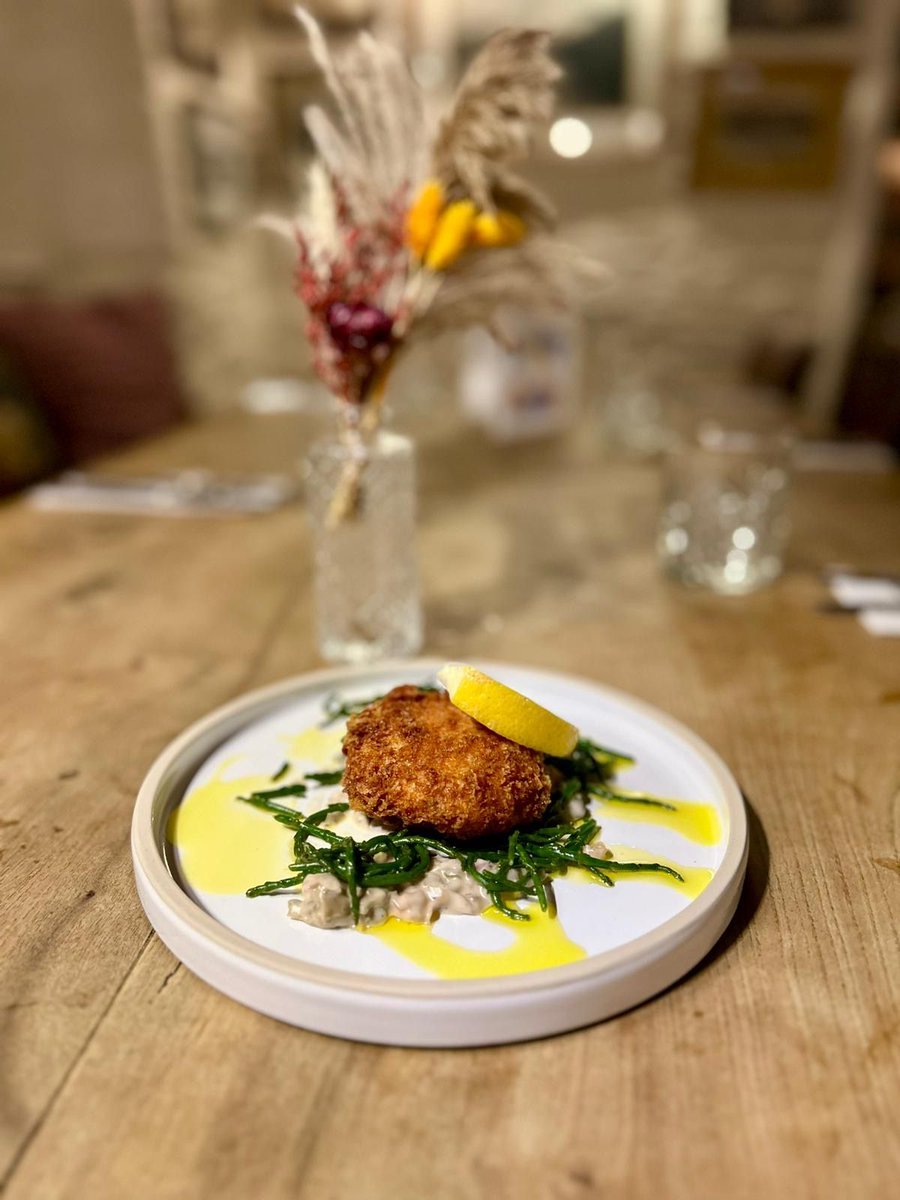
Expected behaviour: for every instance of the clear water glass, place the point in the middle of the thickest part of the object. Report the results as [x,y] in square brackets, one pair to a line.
[365,561]
[724,522]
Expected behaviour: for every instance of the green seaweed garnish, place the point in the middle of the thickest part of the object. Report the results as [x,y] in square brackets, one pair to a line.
[325,778]
[288,789]
[517,867]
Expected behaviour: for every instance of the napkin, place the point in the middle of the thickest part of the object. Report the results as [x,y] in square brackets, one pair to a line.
[186,493]
[875,600]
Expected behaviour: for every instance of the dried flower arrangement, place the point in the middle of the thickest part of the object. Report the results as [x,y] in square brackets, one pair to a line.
[400,240]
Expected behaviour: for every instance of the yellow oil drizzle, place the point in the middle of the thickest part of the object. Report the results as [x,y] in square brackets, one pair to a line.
[320,747]
[695,878]
[697,822]
[541,942]
[225,846]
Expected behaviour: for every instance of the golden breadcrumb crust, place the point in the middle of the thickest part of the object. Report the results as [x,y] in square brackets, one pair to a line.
[414,759]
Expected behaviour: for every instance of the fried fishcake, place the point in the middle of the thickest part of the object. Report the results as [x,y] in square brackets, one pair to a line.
[414,759]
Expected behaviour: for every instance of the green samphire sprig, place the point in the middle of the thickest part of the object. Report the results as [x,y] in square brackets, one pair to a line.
[519,866]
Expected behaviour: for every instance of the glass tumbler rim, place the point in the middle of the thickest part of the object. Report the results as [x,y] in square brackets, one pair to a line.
[735,440]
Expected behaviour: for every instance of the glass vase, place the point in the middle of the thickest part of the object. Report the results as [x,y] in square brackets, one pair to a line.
[361,501]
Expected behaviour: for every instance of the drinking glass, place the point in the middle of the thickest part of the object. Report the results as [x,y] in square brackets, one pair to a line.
[724,522]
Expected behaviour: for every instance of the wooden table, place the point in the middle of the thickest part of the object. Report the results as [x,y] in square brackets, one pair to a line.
[772,1070]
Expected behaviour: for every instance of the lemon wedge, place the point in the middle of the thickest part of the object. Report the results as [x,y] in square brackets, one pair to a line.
[506,711]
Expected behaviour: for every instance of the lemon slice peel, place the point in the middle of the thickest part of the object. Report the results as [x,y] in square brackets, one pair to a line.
[507,712]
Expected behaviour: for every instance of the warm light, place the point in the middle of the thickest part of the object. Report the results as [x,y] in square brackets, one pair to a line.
[570,137]
[735,567]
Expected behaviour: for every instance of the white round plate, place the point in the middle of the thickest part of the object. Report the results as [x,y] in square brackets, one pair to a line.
[618,946]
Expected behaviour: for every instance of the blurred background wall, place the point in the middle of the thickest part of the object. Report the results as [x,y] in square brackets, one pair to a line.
[80,202]
[733,161]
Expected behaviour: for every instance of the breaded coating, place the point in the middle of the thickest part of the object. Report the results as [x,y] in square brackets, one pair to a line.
[414,759]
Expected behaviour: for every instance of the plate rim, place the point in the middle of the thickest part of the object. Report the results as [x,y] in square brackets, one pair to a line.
[152,871]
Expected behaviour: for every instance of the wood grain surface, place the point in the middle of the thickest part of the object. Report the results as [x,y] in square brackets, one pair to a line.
[772,1070]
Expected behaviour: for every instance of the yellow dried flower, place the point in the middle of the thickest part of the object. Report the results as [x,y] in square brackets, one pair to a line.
[451,235]
[422,216]
[502,228]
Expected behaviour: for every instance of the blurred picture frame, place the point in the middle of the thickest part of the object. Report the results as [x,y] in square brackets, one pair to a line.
[789,15]
[194,30]
[595,62]
[594,53]
[219,174]
[770,125]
